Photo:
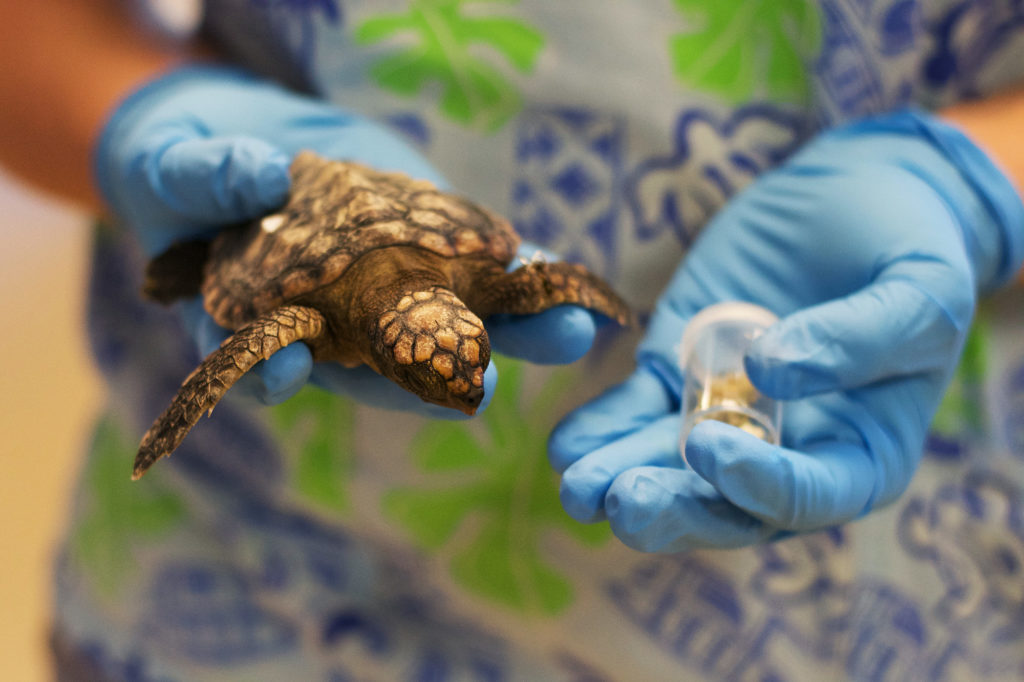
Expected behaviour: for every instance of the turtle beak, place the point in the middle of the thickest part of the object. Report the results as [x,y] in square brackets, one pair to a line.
[472,400]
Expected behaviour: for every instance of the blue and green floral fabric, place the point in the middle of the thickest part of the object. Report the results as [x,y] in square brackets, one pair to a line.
[324,540]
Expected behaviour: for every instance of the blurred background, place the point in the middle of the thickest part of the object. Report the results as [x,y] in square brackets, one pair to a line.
[49,397]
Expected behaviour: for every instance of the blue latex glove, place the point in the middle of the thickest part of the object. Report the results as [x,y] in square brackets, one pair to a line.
[204,147]
[872,244]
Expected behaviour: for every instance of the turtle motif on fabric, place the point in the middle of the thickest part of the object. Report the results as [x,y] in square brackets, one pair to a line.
[366,267]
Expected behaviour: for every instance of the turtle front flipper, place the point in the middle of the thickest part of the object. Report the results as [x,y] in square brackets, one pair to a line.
[204,388]
[540,285]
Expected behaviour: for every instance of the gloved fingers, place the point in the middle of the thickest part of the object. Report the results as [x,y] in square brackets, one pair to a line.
[832,482]
[585,483]
[209,182]
[367,387]
[895,327]
[556,336]
[656,509]
[621,410]
[284,373]
[270,381]
[219,179]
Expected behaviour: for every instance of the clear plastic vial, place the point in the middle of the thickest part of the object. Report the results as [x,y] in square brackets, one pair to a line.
[715,384]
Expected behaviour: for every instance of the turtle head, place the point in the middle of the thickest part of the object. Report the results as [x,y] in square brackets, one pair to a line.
[431,344]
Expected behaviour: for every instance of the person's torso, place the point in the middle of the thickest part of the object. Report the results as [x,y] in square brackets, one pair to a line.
[321,538]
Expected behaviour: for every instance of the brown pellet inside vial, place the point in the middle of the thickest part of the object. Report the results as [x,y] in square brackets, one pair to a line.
[726,399]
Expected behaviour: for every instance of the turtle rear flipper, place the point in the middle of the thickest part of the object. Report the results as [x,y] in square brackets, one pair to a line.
[177,272]
[204,388]
[538,286]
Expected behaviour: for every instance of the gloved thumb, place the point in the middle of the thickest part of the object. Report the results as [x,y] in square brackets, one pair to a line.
[187,185]
[221,179]
[911,320]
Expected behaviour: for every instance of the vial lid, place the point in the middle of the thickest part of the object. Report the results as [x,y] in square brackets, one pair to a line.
[732,312]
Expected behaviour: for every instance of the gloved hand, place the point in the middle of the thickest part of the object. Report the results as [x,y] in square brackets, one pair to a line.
[205,147]
[872,244]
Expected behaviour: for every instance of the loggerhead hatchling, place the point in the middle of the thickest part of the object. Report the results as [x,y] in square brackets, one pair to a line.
[366,268]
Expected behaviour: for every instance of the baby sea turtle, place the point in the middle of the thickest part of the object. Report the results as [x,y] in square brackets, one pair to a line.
[366,268]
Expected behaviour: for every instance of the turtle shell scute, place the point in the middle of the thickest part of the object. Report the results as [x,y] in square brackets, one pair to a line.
[337,211]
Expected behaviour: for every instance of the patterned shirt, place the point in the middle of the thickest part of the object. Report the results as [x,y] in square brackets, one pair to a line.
[325,540]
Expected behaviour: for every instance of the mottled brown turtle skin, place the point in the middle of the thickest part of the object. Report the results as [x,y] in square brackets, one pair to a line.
[366,268]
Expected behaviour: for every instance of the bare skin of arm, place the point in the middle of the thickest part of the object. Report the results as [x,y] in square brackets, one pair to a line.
[66,65]
[996,124]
